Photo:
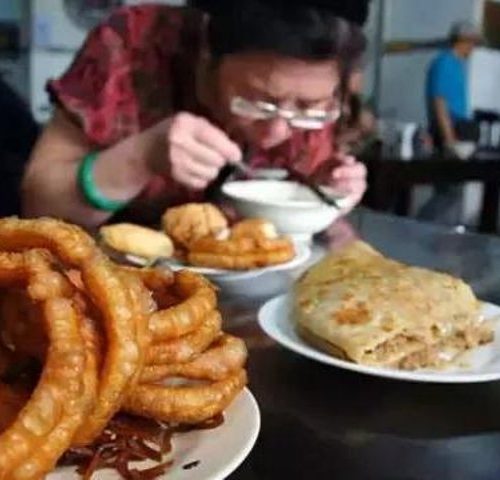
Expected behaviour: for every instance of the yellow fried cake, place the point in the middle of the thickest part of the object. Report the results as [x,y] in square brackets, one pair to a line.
[192,221]
[136,240]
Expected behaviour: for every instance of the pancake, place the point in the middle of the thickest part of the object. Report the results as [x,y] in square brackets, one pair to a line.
[357,304]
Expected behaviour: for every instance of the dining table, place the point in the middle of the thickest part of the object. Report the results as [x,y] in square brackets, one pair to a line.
[392,181]
[323,422]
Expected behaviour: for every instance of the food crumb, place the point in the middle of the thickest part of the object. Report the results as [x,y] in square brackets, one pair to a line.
[191,465]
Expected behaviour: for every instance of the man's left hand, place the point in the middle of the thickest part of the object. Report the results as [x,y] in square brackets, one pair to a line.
[348,177]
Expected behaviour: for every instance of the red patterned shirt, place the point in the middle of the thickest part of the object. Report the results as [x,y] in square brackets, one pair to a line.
[137,68]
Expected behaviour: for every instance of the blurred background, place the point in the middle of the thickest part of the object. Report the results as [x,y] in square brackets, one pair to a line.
[38,40]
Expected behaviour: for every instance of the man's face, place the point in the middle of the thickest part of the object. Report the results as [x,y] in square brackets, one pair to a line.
[467,46]
[288,83]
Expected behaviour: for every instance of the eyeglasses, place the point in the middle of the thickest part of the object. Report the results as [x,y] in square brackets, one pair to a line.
[307,119]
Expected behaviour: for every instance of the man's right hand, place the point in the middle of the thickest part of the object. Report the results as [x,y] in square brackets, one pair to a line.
[196,150]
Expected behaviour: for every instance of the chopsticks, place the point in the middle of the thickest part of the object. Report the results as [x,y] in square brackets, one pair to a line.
[306,182]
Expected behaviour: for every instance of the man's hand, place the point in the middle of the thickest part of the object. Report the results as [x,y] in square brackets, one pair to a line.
[347,177]
[196,150]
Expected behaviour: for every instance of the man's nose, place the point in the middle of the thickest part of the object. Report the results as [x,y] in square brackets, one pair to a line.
[279,129]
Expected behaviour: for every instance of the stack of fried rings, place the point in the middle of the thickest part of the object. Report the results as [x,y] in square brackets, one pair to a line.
[240,253]
[107,336]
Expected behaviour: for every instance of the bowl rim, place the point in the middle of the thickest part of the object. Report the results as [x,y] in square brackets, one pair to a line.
[302,204]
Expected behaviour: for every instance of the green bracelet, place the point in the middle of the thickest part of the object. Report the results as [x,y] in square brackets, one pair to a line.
[89,189]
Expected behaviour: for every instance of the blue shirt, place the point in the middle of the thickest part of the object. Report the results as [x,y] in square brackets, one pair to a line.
[447,78]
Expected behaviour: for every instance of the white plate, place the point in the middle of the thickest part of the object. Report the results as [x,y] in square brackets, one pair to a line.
[303,252]
[220,451]
[479,365]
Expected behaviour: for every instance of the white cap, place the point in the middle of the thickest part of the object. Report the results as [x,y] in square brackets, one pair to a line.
[467,30]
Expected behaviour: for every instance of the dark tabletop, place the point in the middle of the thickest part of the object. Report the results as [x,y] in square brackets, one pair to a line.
[320,422]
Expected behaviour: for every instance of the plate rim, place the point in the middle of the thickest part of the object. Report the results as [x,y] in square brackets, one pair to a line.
[271,327]
[238,460]
[304,253]
[253,433]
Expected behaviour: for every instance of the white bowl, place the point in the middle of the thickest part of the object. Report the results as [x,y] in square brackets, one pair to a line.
[464,150]
[291,207]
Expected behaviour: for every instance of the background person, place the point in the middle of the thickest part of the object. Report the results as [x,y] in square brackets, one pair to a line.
[160,99]
[447,92]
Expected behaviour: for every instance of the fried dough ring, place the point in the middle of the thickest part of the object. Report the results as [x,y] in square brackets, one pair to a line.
[245,261]
[68,242]
[33,270]
[107,292]
[92,339]
[143,306]
[186,404]
[20,328]
[248,247]
[43,429]
[123,360]
[153,278]
[185,348]
[240,246]
[93,360]
[159,282]
[198,299]
[62,383]
[225,356]
[100,319]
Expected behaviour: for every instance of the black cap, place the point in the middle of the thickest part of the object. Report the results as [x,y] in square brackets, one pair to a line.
[354,11]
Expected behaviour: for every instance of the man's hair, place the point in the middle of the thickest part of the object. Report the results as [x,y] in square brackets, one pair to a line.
[302,29]
[308,31]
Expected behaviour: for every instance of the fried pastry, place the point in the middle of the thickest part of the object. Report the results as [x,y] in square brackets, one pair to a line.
[245,261]
[83,339]
[137,240]
[252,243]
[256,228]
[187,223]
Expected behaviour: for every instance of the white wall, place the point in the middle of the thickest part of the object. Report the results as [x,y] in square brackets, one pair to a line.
[485,79]
[402,95]
[403,75]
[423,19]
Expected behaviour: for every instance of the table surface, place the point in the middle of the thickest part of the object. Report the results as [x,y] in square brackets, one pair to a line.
[322,422]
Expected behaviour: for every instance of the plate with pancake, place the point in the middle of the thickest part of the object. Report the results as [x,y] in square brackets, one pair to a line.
[359,310]
[482,364]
